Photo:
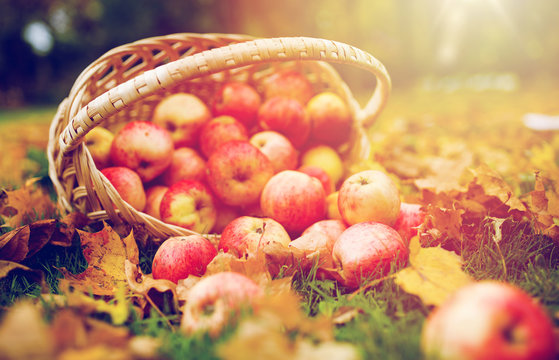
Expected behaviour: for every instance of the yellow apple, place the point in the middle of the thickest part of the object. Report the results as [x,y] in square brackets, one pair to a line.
[332,210]
[98,141]
[326,158]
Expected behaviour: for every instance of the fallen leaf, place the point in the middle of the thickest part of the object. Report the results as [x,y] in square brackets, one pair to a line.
[14,244]
[433,273]
[543,202]
[7,267]
[25,241]
[117,308]
[66,228]
[25,205]
[105,252]
[494,186]
[150,289]
[446,223]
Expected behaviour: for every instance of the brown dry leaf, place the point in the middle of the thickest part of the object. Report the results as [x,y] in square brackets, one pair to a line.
[7,267]
[543,201]
[151,290]
[67,228]
[433,273]
[256,267]
[23,242]
[286,260]
[24,205]
[105,252]
[494,186]
[24,334]
[443,223]
[14,244]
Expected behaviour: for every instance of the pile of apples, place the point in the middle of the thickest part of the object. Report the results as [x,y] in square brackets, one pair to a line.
[258,164]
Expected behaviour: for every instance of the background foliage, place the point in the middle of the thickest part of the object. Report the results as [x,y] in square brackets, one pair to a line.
[414,39]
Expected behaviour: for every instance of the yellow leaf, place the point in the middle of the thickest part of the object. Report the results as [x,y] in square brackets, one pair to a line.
[494,185]
[433,273]
[117,309]
[26,204]
[105,252]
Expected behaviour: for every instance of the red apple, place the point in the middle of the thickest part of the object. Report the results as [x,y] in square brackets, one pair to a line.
[183,115]
[128,185]
[294,199]
[189,204]
[408,221]
[369,195]
[143,147]
[220,130]
[330,117]
[98,141]
[327,158]
[321,175]
[288,83]
[489,320]
[246,235]
[239,100]
[186,164]
[216,300]
[237,173]
[277,148]
[286,116]
[318,240]
[181,256]
[366,251]
[154,194]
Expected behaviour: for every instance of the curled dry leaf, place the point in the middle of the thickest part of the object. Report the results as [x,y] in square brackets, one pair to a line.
[150,289]
[25,241]
[14,244]
[433,273]
[7,267]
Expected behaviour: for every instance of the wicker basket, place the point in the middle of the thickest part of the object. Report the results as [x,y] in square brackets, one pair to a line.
[127,82]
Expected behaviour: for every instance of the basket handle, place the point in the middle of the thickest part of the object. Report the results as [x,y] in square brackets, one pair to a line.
[224,58]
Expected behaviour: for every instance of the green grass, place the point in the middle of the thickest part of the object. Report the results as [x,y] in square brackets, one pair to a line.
[28,115]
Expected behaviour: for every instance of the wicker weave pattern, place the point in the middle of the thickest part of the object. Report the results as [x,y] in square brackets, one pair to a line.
[127,82]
